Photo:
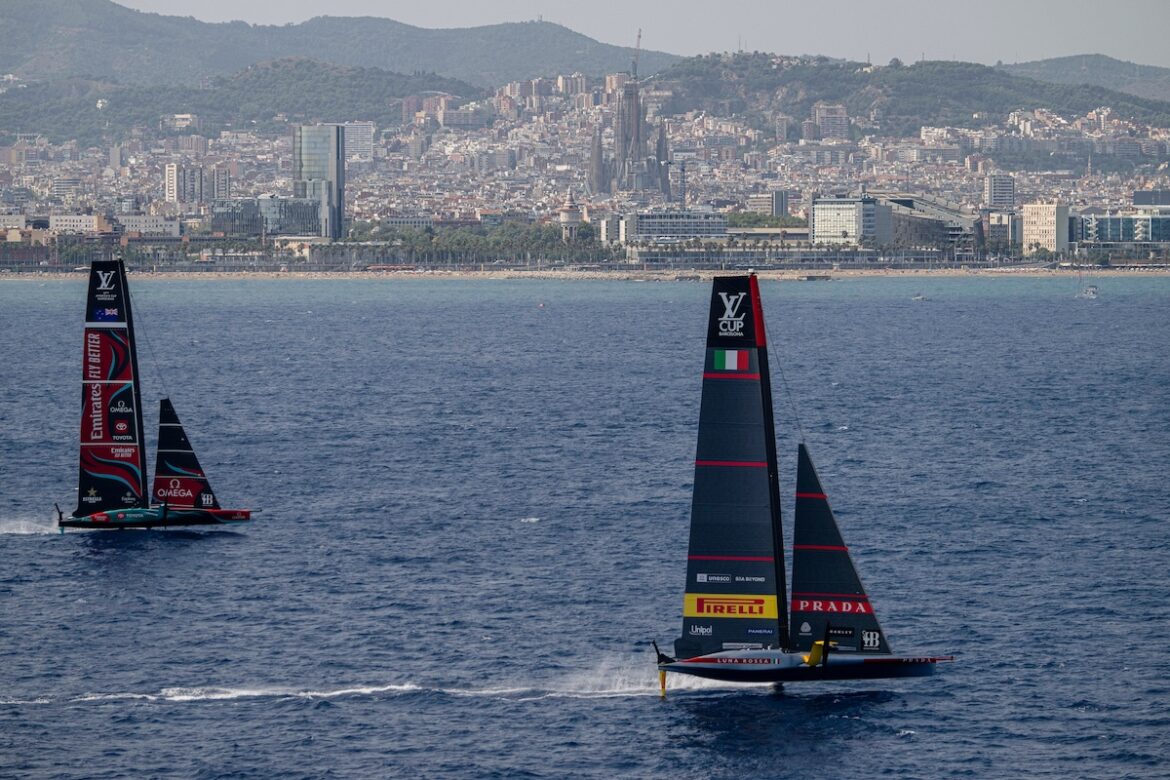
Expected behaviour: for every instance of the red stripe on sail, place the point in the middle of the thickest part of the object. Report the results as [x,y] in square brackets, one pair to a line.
[758,558]
[855,596]
[713,375]
[830,547]
[757,311]
[756,464]
[820,496]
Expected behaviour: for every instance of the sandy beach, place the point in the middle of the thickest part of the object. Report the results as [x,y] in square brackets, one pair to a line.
[633,275]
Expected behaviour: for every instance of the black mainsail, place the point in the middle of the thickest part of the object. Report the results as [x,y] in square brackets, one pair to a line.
[735,592]
[113,459]
[178,479]
[828,599]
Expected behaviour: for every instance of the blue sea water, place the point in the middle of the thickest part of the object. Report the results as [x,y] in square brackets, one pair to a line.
[475,502]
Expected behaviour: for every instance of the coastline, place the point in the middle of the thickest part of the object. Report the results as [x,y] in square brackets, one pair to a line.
[631,275]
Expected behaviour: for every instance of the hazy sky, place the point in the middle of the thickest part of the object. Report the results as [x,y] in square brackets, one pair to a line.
[975,31]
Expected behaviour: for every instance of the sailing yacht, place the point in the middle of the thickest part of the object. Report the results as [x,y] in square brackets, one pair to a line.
[740,623]
[111,484]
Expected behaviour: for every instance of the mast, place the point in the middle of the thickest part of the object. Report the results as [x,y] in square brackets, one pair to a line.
[112,473]
[773,468]
[735,596]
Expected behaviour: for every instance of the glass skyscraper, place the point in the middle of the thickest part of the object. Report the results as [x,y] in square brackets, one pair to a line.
[319,173]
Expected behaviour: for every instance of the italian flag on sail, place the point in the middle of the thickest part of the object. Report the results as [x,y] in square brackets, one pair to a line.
[731,360]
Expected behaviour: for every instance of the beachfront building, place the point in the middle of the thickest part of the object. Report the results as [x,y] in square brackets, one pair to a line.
[671,226]
[319,173]
[1045,227]
[266,215]
[855,221]
[1121,229]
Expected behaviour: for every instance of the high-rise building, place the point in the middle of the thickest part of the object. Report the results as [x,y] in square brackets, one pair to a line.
[221,182]
[192,185]
[171,183]
[851,220]
[572,85]
[182,184]
[1045,227]
[784,124]
[359,140]
[662,157]
[832,120]
[614,83]
[999,191]
[319,173]
[411,105]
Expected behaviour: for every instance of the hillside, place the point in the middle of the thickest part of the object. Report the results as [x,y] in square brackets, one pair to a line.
[98,39]
[1145,81]
[302,90]
[904,97]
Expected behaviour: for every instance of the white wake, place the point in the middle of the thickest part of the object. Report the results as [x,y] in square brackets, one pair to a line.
[614,677]
[27,527]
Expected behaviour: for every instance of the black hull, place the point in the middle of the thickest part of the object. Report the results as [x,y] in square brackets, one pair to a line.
[807,674]
[156,518]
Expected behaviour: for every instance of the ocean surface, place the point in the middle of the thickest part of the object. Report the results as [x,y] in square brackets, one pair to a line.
[475,503]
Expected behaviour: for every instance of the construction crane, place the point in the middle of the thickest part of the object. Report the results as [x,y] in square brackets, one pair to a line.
[637,50]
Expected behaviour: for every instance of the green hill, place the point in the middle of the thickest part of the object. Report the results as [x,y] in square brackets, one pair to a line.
[302,90]
[98,39]
[1145,81]
[902,97]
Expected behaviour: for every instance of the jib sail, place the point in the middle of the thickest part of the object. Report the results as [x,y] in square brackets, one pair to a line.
[178,479]
[827,594]
[735,595]
[113,460]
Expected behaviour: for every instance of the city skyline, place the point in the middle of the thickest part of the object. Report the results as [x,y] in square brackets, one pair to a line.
[991,31]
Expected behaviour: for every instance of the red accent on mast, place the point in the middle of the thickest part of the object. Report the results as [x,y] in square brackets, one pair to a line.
[820,496]
[757,312]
